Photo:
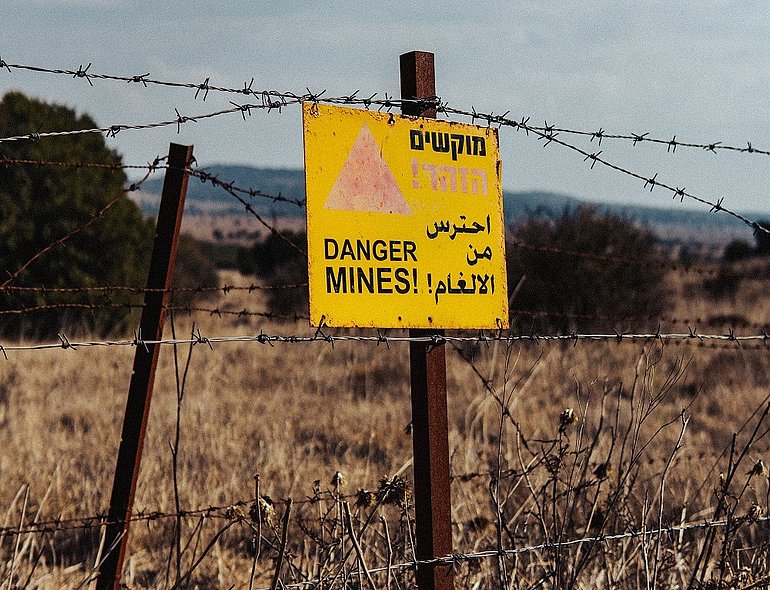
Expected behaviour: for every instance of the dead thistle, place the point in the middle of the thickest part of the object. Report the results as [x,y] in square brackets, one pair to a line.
[603,471]
[393,490]
[566,419]
[364,498]
[758,469]
[263,510]
[754,512]
[338,479]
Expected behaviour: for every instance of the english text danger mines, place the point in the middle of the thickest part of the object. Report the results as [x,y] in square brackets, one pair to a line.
[368,279]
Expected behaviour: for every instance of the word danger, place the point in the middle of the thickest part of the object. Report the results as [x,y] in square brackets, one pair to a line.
[457,143]
[363,279]
[379,250]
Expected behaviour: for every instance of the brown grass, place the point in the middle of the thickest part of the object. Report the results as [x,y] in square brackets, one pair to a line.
[654,426]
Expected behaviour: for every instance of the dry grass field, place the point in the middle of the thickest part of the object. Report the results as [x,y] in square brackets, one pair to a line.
[549,442]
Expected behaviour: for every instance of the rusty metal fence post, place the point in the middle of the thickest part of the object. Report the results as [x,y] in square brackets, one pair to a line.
[145,360]
[430,433]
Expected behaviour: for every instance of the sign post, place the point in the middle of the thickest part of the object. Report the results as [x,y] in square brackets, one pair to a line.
[405,230]
[430,431]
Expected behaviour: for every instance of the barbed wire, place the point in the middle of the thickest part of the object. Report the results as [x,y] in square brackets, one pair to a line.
[113,130]
[731,322]
[107,290]
[232,187]
[59,242]
[97,520]
[682,528]
[457,558]
[256,193]
[98,215]
[548,133]
[222,511]
[671,144]
[381,338]
[186,309]
[278,98]
[662,263]
[5,161]
[234,192]
[202,175]
[234,512]
[286,99]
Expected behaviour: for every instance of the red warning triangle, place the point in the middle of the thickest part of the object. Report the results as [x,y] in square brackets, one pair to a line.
[365,182]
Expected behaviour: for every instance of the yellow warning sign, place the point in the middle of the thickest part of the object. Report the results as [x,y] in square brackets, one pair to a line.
[404,221]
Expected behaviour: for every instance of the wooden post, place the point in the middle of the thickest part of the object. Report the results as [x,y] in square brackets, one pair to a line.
[430,433]
[145,360]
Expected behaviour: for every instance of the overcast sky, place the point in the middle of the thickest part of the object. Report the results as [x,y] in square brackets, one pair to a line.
[696,70]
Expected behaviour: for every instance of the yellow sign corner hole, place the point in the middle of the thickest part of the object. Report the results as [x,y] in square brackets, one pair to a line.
[404,221]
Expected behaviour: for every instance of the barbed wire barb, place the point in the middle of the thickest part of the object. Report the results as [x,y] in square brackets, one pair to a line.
[83,73]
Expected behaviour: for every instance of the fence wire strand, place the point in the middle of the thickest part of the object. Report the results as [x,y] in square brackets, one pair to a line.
[222,311]
[278,98]
[548,134]
[233,512]
[232,188]
[95,217]
[458,558]
[272,100]
[319,337]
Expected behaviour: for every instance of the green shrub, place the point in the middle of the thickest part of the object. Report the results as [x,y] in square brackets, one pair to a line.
[194,268]
[737,250]
[584,271]
[279,260]
[41,204]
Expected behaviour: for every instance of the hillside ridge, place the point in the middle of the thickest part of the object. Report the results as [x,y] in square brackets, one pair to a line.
[684,225]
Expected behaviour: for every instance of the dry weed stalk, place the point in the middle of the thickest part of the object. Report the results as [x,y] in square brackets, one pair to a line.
[598,454]
[587,480]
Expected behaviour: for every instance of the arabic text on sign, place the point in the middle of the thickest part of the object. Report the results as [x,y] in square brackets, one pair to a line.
[481,284]
[440,227]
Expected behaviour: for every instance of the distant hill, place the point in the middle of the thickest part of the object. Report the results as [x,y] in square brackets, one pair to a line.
[207,199]
[671,225]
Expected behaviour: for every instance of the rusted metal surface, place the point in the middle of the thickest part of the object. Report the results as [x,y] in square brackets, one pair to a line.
[145,361]
[433,511]
[418,80]
[430,433]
